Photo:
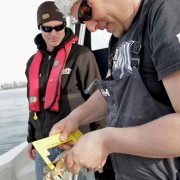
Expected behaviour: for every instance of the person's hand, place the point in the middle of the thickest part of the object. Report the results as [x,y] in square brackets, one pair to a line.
[89,152]
[31,151]
[65,127]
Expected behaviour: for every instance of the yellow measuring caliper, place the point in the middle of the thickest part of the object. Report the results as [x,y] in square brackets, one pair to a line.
[44,144]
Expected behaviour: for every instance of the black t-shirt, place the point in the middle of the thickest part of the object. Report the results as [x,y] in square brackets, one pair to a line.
[160,48]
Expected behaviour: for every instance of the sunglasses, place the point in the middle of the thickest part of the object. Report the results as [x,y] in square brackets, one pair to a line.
[56,28]
[85,11]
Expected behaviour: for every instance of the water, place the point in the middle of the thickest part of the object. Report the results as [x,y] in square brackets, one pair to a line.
[13,118]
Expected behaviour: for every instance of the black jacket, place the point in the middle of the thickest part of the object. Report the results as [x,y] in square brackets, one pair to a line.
[84,70]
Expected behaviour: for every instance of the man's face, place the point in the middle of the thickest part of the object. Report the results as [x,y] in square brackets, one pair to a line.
[101,18]
[52,32]
[116,19]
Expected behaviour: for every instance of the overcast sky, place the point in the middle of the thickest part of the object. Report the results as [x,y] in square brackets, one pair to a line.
[17,31]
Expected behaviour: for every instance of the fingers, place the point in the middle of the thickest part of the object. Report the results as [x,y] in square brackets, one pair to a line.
[103,163]
[30,151]
[68,129]
[33,154]
[56,129]
[67,145]
[59,128]
[99,168]
[64,128]
[30,155]
[75,168]
[74,164]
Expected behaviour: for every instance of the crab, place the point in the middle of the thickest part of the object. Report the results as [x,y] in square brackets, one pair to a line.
[60,172]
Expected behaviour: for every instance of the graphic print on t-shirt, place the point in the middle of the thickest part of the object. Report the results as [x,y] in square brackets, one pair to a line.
[122,61]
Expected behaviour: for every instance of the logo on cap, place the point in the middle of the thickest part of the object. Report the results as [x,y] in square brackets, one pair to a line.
[45,16]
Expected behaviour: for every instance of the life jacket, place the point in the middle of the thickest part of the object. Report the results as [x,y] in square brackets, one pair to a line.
[53,88]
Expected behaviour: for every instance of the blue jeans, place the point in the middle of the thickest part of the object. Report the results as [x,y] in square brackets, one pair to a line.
[54,152]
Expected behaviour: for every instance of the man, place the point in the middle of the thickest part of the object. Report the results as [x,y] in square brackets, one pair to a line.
[57,76]
[141,96]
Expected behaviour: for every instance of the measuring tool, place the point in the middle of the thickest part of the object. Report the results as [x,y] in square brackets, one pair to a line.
[44,144]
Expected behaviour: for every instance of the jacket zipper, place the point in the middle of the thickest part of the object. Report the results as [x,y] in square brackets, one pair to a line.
[47,77]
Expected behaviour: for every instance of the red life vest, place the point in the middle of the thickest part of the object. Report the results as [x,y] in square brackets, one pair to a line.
[53,88]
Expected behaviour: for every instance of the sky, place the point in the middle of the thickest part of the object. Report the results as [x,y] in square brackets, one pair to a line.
[17,31]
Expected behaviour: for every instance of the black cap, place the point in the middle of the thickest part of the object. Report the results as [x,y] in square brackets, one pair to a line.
[48,11]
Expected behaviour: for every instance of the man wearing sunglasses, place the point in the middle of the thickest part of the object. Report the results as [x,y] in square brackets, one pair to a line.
[58,73]
[141,97]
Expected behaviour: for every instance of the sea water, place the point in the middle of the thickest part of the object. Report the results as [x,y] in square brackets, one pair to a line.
[13,118]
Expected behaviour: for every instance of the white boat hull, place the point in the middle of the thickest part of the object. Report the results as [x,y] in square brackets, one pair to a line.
[15,164]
